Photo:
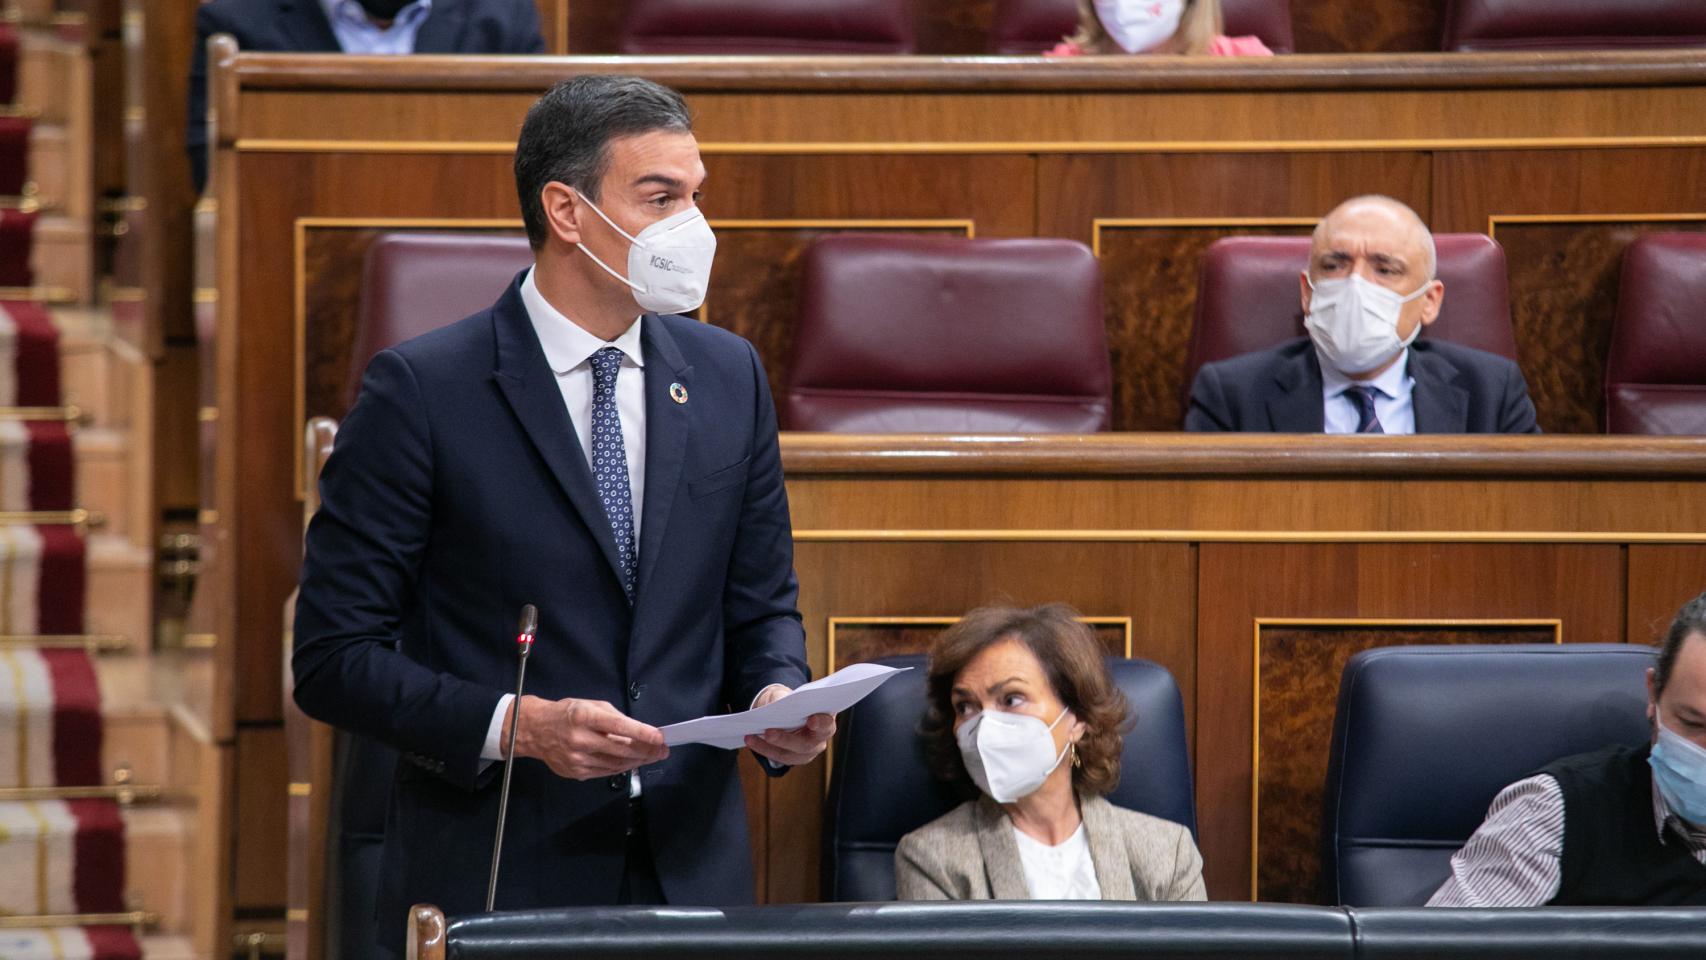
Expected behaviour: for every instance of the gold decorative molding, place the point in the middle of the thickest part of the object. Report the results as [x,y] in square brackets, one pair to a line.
[1516,219]
[90,642]
[301,789]
[141,919]
[124,794]
[836,623]
[1426,623]
[1098,224]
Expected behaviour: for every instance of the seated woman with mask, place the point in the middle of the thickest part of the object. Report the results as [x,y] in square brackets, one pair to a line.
[1022,704]
[1155,26]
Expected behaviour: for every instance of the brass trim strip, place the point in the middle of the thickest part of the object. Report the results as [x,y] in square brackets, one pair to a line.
[43,294]
[1241,536]
[75,518]
[145,919]
[207,518]
[1514,219]
[1098,223]
[1557,626]
[301,790]
[296,915]
[125,794]
[205,295]
[208,414]
[834,623]
[784,148]
[200,641]
[92,642]
[71,414]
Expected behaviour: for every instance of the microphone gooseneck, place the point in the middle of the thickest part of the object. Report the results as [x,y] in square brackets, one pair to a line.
[523,645]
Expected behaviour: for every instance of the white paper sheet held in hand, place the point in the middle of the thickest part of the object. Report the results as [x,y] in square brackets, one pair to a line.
[832,694]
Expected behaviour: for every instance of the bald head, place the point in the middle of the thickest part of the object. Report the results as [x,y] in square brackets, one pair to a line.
[1387,227]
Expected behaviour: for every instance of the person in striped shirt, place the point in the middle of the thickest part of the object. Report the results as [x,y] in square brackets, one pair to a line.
[1616,827]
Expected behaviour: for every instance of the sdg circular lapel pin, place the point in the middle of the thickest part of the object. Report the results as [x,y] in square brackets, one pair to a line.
[678,393]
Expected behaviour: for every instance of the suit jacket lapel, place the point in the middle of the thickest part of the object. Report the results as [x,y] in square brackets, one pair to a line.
[305,23]
[1441,406]
[441,31]
[668,425]
[1000,852]
[1298,407]
[1107,853]
[531,390]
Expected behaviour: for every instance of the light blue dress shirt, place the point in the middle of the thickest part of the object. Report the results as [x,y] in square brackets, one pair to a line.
[358,34]
[1392,404]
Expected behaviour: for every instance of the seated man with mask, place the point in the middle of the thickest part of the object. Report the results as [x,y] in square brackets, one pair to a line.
[1617,827]
[351,26]
[1369,289]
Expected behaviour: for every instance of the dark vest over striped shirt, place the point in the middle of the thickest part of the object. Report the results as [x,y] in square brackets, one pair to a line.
[1612,853]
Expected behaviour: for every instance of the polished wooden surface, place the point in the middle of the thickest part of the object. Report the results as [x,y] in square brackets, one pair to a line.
[1147,161]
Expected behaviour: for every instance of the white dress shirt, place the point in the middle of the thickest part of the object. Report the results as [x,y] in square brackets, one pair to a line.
[1392,405]
[568,352]
[1061,872]
[357,33]
[1515,858]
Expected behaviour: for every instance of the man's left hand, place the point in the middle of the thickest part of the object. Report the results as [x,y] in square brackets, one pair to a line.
[791,748]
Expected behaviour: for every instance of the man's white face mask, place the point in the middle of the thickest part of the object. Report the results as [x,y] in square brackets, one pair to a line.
[669,263]
[1354,322]
[1139,25]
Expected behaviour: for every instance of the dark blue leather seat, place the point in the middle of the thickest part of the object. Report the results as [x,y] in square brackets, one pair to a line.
[882,788]
[1426,736]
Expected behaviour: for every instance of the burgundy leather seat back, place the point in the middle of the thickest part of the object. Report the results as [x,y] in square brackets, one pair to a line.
[768,27]
[415,282]
[1483,25]
[901,334]
[1023,27]
[1655,373]
[1247,296]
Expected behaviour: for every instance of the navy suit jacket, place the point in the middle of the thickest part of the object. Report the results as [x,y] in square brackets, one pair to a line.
[1458,390]
[456,493]
[300,26]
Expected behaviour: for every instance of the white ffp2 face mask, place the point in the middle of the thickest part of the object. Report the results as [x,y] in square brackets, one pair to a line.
[1354,322]
[1009,755]
[669,263]
[1139,25]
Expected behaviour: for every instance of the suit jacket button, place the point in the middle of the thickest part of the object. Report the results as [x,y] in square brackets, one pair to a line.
[635,689]
[619,782]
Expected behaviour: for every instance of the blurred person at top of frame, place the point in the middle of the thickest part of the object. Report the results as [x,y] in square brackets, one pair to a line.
[1156,26]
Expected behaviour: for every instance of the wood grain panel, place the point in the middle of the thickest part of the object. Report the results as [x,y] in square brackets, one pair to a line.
[862,642]
[1151,583]
[1564,281]
[1581,585]
[1149,289]
[1298,688]
[1661,580]
[261,805]
[1356,26]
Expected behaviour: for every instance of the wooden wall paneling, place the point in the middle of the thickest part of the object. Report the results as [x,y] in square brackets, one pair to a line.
[1661,580]
[261,814]
[1150,583]
[1150,217]
[944,26]
[1354,26]
[554,24]
[863,639]
[1238,584]
[1564,235]
[1297,682]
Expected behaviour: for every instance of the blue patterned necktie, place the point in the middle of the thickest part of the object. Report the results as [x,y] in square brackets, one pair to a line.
[1363,397]
[610,463]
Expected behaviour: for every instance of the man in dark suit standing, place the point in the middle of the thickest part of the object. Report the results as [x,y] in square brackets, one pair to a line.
[580,447]
[352,26]
[1369,289]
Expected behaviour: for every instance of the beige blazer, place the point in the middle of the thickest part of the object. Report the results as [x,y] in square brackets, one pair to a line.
[970,854]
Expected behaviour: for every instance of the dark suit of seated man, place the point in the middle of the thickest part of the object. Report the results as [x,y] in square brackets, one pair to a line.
[352,26]
[1368,291]
[1617,827]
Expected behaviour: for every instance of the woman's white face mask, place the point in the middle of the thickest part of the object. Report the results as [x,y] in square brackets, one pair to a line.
[1009,755]
[1139,25]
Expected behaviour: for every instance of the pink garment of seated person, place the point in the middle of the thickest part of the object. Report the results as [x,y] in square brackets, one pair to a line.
[1223,46]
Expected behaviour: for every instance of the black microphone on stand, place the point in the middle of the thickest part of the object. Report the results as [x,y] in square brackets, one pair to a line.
[524,646]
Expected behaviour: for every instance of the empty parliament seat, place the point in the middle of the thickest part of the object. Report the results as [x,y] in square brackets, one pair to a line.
[1655,373]
[767,27]
[1424,737]
[1024,27]
[906,334]
[1247,297]
[882,787]
[1488,25]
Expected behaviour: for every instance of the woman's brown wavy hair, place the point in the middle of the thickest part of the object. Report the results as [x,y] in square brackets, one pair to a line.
[1073,663]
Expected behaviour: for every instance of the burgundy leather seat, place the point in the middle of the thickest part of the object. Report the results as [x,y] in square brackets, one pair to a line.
[1655,373]
[767,26]
[1484,25]
[415,282]
[903,334]
[1024,27]
[1247,297]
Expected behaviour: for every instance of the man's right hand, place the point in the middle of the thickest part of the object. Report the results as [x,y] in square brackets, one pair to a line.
[583,739]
